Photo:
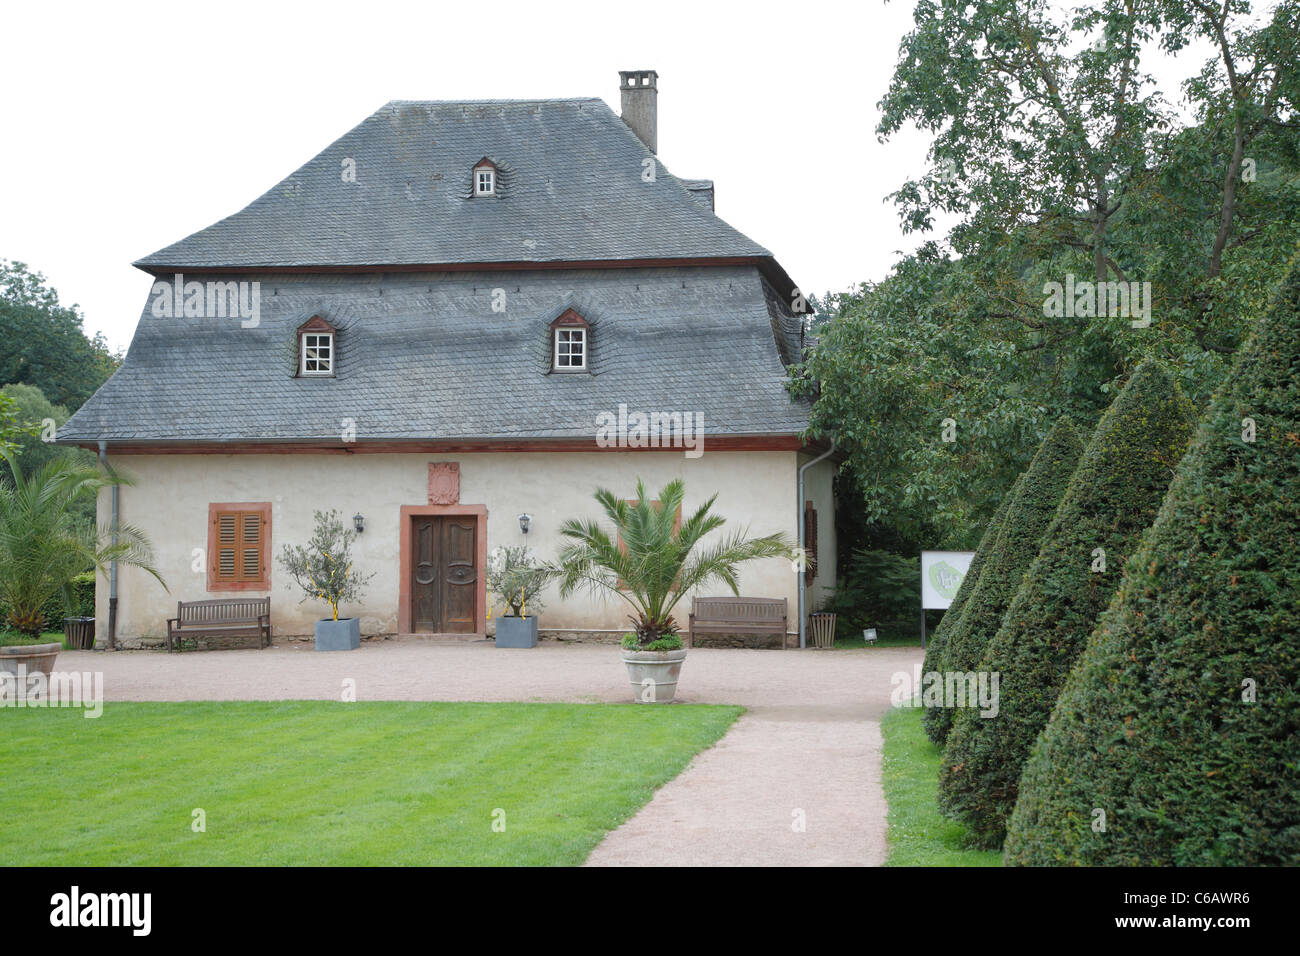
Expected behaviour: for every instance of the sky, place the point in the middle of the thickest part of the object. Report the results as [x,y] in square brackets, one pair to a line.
[128,126]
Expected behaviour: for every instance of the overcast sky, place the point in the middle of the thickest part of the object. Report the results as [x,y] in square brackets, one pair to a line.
[129,126]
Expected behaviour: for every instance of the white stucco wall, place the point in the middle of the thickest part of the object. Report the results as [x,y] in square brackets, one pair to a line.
[170,497]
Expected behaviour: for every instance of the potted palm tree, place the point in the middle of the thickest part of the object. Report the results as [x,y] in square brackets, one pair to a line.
[45,545]
[323,569]
[517,581]
[652,562]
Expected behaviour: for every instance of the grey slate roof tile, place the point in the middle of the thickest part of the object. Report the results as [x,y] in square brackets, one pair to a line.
[423,356]
[571,184]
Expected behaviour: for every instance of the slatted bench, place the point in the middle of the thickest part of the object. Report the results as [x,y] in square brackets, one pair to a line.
[231,617]
[737,615]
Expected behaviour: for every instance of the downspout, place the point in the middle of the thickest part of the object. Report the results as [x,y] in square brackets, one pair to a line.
[112,565]
[803,600]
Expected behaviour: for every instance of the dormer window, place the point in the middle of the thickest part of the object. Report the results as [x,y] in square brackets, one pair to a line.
[316,350]
[571,348]
[570,343]
[485,178]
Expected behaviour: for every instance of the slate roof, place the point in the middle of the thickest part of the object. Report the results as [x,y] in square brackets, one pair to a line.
[421,353]
[571,190]
[423,356]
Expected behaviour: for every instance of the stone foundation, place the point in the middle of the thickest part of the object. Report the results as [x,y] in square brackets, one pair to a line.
[751,641]
[565,636]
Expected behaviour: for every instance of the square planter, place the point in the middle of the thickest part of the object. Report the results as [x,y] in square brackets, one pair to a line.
[517,631]
[341,635]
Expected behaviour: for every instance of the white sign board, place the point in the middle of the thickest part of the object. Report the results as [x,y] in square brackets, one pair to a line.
[941,575]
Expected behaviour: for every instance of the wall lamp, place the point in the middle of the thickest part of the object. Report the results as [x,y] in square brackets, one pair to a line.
[524,522]
[359,522]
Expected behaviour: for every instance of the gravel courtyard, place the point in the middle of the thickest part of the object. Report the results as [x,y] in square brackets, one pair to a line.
[796,781]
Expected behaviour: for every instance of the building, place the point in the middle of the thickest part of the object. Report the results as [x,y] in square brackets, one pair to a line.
[455,315]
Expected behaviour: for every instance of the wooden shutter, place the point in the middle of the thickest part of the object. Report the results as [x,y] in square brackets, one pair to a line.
[810,541]
[238,540]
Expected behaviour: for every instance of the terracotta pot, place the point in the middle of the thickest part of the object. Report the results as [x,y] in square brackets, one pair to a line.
[33,657]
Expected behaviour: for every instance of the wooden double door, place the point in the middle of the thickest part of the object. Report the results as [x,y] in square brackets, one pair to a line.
[444,576]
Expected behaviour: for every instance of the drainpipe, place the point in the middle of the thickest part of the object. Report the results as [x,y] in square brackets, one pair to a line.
[112,566]
[803,618]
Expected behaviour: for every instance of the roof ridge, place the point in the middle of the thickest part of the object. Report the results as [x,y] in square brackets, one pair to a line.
[498,102]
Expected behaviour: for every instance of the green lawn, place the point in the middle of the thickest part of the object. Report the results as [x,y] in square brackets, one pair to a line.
[317,782]
[918,834]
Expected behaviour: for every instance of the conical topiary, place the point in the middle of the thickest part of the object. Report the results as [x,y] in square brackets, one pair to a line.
[1176,740]
[1033,502]
[1111,499]
[939,640]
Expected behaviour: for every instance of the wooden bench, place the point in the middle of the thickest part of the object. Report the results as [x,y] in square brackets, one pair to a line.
[231,617]
[737,615]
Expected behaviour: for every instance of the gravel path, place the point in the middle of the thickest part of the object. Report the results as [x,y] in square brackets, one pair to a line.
[795,782]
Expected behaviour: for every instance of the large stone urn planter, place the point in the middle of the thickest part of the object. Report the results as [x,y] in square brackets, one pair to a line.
[517,631]
[653,674]
[30,657]
[341,635]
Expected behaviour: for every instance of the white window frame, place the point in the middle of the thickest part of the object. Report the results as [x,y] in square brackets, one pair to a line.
[328,360]
[491,174]
[583,339]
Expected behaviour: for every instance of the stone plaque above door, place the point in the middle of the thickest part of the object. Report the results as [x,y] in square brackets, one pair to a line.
[444,482]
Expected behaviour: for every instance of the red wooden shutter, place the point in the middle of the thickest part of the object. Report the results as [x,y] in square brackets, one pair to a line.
[228,546]
[250,546]
[237,545]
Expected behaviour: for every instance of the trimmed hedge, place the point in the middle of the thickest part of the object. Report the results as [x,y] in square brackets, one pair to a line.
[939,639]
[1156,726]
[1111,499]
[1033,503]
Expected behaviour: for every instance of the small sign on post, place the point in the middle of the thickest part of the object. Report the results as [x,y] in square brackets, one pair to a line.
[942,573]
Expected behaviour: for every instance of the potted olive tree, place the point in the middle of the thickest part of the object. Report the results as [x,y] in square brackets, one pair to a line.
[652,562]
[517,581]
[44,545]
[323,569]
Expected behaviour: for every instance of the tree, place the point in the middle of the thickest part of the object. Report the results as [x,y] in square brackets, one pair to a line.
[652,563]
[13,428]
[1112,497]
[42,343]
[1060,160]
[323,568]
[43,546]
[516,579]
[930,400]
[1174,739]
[35,410]
[1032,505]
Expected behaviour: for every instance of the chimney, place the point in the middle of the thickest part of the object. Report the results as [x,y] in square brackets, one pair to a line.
[640,110]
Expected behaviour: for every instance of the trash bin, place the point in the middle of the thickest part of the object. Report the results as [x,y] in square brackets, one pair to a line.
[823,628]
[79,633]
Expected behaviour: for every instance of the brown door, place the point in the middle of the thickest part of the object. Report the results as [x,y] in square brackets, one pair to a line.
[443,577]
